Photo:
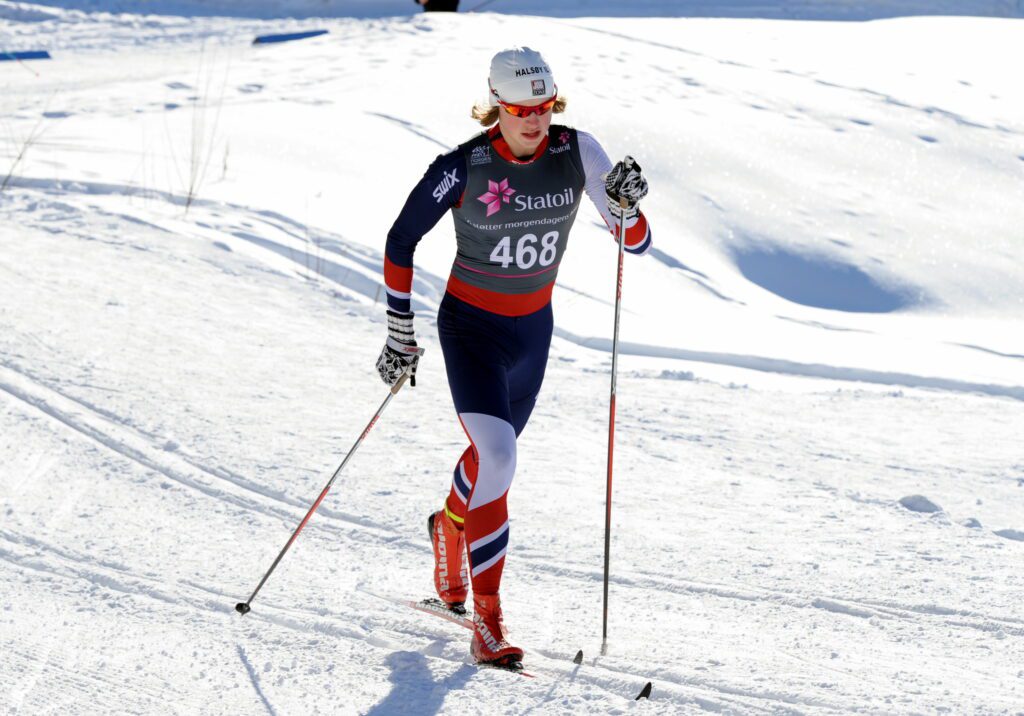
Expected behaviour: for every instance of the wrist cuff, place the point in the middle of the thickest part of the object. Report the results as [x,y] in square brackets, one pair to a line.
[400,327]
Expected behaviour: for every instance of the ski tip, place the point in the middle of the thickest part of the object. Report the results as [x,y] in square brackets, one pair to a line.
[578,659]
[242,608]
[645,692]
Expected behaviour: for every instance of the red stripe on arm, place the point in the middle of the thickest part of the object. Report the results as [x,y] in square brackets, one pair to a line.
[636,233]
[397,278]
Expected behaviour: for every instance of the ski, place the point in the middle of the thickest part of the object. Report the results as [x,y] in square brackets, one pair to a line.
[509,668]
[439,609]
[428,606]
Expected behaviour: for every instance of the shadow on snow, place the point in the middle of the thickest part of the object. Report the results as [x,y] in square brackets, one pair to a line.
[415,690]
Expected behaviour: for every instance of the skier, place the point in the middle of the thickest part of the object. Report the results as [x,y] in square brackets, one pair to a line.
[513,192]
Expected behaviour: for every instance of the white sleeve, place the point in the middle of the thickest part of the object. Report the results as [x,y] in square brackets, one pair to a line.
[595,165]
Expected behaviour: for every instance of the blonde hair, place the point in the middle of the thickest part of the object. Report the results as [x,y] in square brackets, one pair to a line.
[487,115]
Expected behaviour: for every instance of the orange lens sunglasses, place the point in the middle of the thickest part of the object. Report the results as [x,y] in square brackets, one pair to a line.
[521,111]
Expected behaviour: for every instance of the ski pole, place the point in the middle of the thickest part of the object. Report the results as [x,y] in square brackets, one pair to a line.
[623,206]
[244,607]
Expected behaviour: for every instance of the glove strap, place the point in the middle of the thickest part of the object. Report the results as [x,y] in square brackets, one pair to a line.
[406,349]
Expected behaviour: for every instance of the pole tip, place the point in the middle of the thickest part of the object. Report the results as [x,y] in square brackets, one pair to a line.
[242,608]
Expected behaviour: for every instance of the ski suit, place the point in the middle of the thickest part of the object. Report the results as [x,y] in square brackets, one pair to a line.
[512,220]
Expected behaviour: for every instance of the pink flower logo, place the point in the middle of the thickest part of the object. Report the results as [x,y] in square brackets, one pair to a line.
[497,192]
[564,137]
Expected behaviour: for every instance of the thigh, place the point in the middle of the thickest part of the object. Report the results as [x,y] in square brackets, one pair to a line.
[527,374]
[476,358]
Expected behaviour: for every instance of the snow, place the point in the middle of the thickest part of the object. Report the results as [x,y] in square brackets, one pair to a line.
[824,347]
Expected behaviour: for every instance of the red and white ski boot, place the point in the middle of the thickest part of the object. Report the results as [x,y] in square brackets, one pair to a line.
[450,577]
[490,643]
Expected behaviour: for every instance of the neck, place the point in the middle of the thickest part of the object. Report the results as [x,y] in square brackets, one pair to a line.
[520,151]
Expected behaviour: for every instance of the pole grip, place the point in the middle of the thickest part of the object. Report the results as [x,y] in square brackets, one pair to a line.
[401,381]
[405,376]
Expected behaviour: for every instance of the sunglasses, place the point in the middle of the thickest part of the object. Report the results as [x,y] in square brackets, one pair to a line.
[521,111]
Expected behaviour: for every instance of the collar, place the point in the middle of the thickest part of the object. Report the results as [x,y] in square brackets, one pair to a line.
[505,152]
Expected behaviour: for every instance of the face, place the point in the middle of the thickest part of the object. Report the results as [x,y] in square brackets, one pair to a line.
[524,134]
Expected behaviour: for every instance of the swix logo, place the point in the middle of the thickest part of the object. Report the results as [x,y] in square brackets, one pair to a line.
[485,633]
[442,551]
[496,194]
[369,427]
[450,180]
[499,193]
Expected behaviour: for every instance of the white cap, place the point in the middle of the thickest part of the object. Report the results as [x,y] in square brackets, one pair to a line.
[520,74]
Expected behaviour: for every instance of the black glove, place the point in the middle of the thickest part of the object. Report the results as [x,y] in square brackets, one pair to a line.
[626,182]
[400,352]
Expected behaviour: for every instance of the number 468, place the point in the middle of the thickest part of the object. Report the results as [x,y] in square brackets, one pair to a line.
[526,251]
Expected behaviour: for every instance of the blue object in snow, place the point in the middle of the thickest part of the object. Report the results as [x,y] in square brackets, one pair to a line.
[29,55]
[266,39]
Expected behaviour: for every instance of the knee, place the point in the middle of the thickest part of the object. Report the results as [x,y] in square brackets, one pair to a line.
[500,459]
[495,442]
[497,467]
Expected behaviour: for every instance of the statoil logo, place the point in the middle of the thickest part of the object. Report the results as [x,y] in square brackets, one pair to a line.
[499,193]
